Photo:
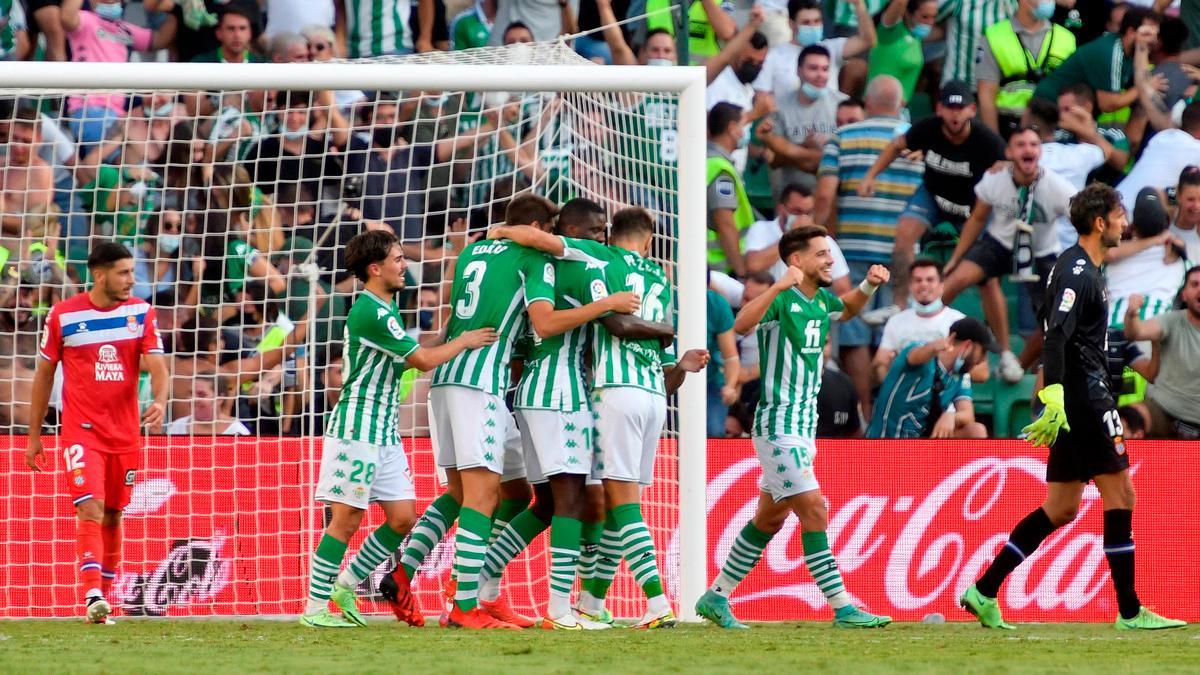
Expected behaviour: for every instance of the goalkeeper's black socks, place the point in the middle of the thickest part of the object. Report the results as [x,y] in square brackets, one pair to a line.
[1024,540]
[1118,548]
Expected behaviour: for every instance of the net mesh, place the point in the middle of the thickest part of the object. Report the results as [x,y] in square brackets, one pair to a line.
[237,206]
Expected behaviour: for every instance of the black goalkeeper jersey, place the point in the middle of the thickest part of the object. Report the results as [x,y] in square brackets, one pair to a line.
[1074,320]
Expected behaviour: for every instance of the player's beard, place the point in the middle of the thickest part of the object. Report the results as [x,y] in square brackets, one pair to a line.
[822,282]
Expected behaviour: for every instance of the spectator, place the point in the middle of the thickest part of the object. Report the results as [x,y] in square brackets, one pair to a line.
[1077,100]
[321,47]
[1006,57]
[1018,206]
[709,24]
[779,72]
[101,35]
[1167,59]
[1133,421]
[544,19]
[594,45]
[211,416]
[1164,157]
[957,152]
[157,270]
[838,412]
[380,30]
[724,375]
[658,49]
[736,66]
[289,47]
[807,115]
[297,153]
[926,319]
[292,16]
[850,111]
[516,33]
[199,22]
[905,24]
[1171,400]
[26,180]
[14,38]
[795,209]
[964,22]
[471,28]
[235,35]
[927,391]
[1186,225]
[239,124]
[729,210]
[230,261]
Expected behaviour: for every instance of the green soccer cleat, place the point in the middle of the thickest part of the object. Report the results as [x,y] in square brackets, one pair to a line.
[1147,620]
[715,608]
[324,619]
[986,609]
[346,601]
[853,617]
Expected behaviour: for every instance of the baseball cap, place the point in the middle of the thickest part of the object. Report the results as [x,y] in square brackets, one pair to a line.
[1149,215]
[972,329]
[956,93]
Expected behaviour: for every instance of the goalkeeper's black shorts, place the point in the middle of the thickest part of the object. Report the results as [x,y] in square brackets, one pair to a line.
[1095,445]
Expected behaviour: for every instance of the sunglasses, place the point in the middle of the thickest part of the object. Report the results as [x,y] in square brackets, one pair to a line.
[320,46]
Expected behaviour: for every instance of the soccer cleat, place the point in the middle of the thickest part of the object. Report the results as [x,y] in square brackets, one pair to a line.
[448,602]
[603,616]
[651,620]
[346,601]
[853,617]
[588,624]
[986,609]
[476,619]
[98,610]
[1009,368]
[568,622]
[324,619]
[396,589]
[500,611]
[1147,620]
[715,608]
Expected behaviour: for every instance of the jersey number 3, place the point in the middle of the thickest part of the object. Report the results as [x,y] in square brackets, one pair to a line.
[472,280]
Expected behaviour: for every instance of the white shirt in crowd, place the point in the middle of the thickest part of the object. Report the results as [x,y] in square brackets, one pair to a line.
[183,427]
[767,233]
[727,87]
[1051,201]
[1143,272]
[1073,162]
[289,16]
[909,327]
[1165,156]
[779,74]
[1191,241]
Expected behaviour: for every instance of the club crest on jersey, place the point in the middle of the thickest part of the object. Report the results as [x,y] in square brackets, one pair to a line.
[131,324]
[1068,300]
[108,365]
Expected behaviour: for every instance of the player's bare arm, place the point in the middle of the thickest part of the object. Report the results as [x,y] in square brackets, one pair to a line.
[530,237]
[857,298]
[428,358]
[43,381]
[1135,328]
[692,361]
[156,412]
[630,327]
[548,322]
[752,312]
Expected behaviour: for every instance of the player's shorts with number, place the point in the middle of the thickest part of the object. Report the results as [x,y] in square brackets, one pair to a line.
[104,476]
[556,442]
[787,465]
[629,422]
[468,428]
[1095,445]
[358,473]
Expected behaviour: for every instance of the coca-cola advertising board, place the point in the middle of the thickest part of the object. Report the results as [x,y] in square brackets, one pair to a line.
[228,529]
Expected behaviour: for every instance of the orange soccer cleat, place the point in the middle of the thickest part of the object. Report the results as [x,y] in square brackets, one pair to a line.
[400,598]
[476,619]
[448,602]
[500,610]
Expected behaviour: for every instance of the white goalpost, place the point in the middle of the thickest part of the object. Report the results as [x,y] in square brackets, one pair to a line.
[221,179]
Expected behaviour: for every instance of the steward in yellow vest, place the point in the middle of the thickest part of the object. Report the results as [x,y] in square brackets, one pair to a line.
[1019,70]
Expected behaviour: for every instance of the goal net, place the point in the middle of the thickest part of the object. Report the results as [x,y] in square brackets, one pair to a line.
[236,189]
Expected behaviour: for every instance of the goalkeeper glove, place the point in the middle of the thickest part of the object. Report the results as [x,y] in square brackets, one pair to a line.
[1044,430]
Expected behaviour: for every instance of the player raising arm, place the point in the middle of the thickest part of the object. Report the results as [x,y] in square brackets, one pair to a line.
[99,337]
[362,460]
[792,319]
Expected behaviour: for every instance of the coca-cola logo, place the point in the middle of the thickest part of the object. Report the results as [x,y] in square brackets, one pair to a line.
[192,572]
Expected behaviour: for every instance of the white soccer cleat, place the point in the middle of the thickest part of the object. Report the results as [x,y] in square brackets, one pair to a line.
[98,611]
[586,623]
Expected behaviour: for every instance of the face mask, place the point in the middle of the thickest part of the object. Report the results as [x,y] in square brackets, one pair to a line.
[743,140]
[811,91]
[660,63]
[927,308]
[168,243]
[110,12]
[922,31]
[1044,10]
[384,137]
[296,135]
[807,35]
[436,101]
[747,72]
[163,110]
[425,319]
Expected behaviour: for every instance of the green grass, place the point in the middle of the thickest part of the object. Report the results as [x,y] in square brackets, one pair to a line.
[159,646]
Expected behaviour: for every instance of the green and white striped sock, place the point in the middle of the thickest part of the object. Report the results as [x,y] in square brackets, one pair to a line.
[824,569]
[564,554]
[607,562]
[638,548]
[429,530]
[589,551]
[505,512]
[743,556]
[470,546]
[523,529]
[326,561]
[376,548]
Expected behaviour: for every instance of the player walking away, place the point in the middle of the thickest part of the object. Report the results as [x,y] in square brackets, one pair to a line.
[362,460]
[793,321]
[553,405]
[1079,402]
[631,380]
[99,337]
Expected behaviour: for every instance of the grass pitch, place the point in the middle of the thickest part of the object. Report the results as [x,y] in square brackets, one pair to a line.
[162,646]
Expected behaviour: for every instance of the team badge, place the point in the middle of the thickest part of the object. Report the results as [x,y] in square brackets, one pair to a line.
[129,476]
[131,324]
[78,480]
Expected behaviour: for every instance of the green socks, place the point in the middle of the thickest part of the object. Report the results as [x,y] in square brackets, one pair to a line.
[743,556]
[564,555]
[429,530]
[377,547]
[326,562]
[824,569]
[470,546]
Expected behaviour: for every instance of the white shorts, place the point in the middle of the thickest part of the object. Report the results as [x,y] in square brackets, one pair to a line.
[556,442]
[787,465]
[514,454]
[629,423]
[357,473]
[468,428]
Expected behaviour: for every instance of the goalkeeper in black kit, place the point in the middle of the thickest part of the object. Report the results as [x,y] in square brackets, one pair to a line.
[1079,422]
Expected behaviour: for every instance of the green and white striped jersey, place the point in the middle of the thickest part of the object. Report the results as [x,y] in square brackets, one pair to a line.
[493,283]
[617,362]
[965,23]
[377,27]
[553,374]
[791,344]
[375,347]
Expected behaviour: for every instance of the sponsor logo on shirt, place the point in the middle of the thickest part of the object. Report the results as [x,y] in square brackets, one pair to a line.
[108,365]
[1068,300]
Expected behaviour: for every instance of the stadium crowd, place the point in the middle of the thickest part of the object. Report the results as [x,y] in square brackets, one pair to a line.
[943,138]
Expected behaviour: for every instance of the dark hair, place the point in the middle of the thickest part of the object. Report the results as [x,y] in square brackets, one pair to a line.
[914,5]
[925,262]
[797,5]
[794,188]
[761,277]
[1044,114]
[1083,91]
[1190,121]
[579,212]
[528,208]
[1135,17]
[27,116]
[238,10]
[1194,269]
[852,102]
[197,334]
[758,41]
[656,31]
[721,115]
[1172,33]
[1025,128]
[1092,202]
[809,51]
[514,25]
[633,221]
[1133,419]
[797,240]
[295,98]
[106,253]
[368,248]
[1189,177]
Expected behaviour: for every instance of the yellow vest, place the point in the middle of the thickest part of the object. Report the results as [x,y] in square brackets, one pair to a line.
[702,39]
[1020,72]
[743,215]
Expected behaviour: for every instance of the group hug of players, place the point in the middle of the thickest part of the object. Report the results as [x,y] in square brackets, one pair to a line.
[529,303]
